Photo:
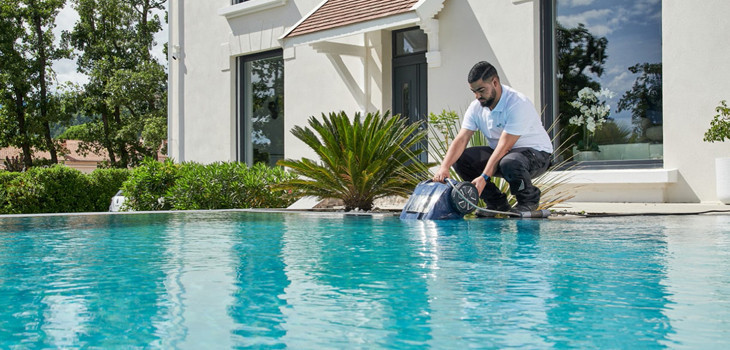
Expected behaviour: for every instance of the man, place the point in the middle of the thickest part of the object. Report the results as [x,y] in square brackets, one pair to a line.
[519,147]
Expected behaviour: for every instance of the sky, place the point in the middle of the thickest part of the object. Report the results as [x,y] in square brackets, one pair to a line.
[633,30]
[66,69]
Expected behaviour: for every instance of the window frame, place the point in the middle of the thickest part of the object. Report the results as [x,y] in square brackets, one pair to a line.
[243,121]
[549,94]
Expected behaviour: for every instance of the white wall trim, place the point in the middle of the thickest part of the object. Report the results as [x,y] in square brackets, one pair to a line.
[428,8]
[249,7]
[430,26]
[427,11]
[624,185]
[618,176]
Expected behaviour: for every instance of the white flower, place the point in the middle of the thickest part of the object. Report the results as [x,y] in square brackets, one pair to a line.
[591,125]
[258,138]
[592,106]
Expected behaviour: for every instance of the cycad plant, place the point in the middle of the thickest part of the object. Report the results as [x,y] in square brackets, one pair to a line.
[443,129]
[361,160]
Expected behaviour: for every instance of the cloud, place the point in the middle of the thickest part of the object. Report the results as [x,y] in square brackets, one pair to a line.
[66,73]
[621,80]
[65,20]
[594,20]
[604,21]
[576,3]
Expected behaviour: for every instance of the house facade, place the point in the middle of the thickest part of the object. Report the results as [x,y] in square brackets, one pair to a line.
[242,74]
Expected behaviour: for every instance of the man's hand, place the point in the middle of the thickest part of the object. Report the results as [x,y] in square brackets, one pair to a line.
[480,183]
[441,175]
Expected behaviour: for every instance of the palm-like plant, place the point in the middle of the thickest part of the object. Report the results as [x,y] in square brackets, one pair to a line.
[360,160]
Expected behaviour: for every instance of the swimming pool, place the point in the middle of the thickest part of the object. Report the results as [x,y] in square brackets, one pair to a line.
[236,279]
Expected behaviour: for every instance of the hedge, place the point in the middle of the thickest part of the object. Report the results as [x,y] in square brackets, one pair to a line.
[151,186]
[59,189]
[191,186]
[229,185]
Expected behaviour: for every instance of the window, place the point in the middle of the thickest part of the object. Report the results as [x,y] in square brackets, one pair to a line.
[603,70]
[410,41]
[260,108]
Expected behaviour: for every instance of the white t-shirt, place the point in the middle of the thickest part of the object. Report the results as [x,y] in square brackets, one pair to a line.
[515,115]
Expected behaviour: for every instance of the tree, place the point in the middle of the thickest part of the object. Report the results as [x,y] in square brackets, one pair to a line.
[14,85]
[27,50]
[41,15]
[644,100]
[579,53]
[126,93]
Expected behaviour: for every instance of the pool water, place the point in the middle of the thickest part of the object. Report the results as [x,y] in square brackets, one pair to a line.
[236,279]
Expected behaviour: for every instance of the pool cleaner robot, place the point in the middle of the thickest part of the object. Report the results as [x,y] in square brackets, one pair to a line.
[451,200]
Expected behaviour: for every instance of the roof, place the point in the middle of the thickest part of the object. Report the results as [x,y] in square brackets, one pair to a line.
[70,154]
[339,13]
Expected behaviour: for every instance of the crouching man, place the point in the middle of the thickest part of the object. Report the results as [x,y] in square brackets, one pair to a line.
[519,147]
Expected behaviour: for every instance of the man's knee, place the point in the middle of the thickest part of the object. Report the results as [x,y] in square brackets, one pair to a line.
[513,165]
[470,163]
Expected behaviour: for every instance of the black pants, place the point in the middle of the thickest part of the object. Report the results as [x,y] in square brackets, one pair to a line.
[519,166]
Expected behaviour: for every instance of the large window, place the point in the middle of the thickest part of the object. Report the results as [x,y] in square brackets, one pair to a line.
[606,74]
[260,108]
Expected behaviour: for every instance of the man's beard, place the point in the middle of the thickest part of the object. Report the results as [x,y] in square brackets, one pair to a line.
[488,102]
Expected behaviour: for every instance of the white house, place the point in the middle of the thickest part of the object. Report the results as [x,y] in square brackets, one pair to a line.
[244,73]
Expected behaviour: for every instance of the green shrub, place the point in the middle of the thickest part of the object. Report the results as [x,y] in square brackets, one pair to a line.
[360,160]
[148,185]
[229,185]
[58,189]
[6,177]
[105,183]
[720,125]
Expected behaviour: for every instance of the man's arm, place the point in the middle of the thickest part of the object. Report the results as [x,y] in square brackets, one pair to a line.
[455,150]
[505,143]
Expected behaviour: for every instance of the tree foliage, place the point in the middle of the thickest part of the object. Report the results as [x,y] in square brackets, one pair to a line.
[644,100]
[27,50]
[126,94]
[720,125]
[580,54]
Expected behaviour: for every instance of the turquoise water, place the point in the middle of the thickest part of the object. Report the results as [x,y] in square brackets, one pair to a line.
[263,280]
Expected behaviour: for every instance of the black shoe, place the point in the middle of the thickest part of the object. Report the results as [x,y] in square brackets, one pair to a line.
[502,206]
[524,207]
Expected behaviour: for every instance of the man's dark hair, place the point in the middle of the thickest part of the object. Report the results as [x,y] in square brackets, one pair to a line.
[482,70]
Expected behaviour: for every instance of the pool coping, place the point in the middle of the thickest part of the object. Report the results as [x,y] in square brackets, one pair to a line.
[319,212]
[561,211]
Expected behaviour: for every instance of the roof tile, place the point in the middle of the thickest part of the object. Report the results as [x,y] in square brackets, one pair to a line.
[339,13]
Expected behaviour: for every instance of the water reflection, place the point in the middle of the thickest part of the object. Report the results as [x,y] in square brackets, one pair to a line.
[609,286]
[353,281]
[62,281]
[260,282]
[229,280]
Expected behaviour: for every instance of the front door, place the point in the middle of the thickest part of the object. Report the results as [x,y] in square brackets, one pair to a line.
[409,79]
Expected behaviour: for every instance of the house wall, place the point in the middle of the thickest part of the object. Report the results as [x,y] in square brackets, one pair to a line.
[202,120]
[347,74]
[353,74]
[696,78]
[501,32]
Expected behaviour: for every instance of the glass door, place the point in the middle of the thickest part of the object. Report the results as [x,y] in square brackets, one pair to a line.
[261,108]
